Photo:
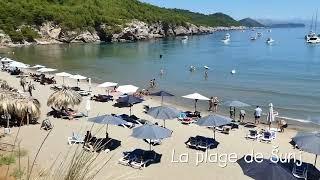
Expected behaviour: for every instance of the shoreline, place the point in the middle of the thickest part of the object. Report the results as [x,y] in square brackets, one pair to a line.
[298,125]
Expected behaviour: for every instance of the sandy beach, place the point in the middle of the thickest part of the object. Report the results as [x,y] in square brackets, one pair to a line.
[56,146]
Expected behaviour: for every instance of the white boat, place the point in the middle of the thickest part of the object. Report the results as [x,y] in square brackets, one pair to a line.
[269,30]
[253,38]
[233,71]
[270,41]
[313,40]
[312,37]
[226,38]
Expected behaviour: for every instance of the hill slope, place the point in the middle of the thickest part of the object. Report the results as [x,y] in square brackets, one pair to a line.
[248,22]
[89,14]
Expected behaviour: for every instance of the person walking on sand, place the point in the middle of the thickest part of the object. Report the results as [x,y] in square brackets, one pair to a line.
[23,83]
[242,115]
[257,115]
[31,88]
[215,104]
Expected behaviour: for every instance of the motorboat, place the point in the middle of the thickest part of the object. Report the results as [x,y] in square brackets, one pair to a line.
[226,38]
[270,41]
[253,38]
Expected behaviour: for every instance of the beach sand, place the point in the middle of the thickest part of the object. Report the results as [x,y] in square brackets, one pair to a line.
[56,147]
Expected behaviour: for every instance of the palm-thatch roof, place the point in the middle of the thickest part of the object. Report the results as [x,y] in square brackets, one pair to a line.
[17,106]
[64,98]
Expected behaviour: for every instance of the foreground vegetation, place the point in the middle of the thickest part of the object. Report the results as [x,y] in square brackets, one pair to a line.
[88,14]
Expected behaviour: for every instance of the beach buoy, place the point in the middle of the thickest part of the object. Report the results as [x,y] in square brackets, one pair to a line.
[233,71]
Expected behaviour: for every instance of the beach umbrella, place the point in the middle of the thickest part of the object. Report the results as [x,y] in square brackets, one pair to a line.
[38,66]
[127,89]
[164,113]
[6,60]
[196,97]
[213,121]
[308,142]
[46,70]
[152,132]
[235,104]
[107,85]
[265,170]
[129,99]
[78,78]
[271,115]
[64,98]
[108,120]
[63,75]
[162,94]
[88,105]
[26,109]
[18,65]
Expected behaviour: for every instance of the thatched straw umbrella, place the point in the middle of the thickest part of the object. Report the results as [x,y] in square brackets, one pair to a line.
[26,109]
[4,84]
[64,98]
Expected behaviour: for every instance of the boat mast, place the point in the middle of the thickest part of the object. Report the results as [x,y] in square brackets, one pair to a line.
[311,26]
[316,22]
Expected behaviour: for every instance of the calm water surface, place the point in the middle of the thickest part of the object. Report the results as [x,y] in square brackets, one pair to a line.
[286,73]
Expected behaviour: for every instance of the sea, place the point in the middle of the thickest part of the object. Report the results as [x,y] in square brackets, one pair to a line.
[285,73]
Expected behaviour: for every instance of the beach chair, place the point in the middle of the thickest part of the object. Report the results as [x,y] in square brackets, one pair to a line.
[204,145]
[224,129]
[143,161]
[192,143]
[153,142]
[300,172]
[266,137]
[184,119]
[75,139]
[253,134]
[127,159]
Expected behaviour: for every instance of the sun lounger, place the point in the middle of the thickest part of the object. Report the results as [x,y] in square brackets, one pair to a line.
[192,143]
[153,142]
[127,159]
[224,129]
[143,161]
[75,139]
[102,98]
[205,144]
[84,93]
[300,172]
[266,137]
[253,134]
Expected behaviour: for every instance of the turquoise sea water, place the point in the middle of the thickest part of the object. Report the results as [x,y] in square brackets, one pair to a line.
[286,73]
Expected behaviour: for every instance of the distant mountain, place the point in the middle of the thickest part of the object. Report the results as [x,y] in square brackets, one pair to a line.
[250,23]
[292,23]
[287,25]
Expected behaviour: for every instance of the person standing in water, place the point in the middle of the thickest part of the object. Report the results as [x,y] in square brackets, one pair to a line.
[210,104]
[215,104]
[257,115]
[206,74]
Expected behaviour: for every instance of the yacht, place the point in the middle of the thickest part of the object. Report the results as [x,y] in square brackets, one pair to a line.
[269,41]
[226,38]
[313,39]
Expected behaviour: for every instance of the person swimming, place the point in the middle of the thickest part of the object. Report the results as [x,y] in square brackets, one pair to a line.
[160,56]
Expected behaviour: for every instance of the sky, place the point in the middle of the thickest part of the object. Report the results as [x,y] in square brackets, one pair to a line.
[238,9]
